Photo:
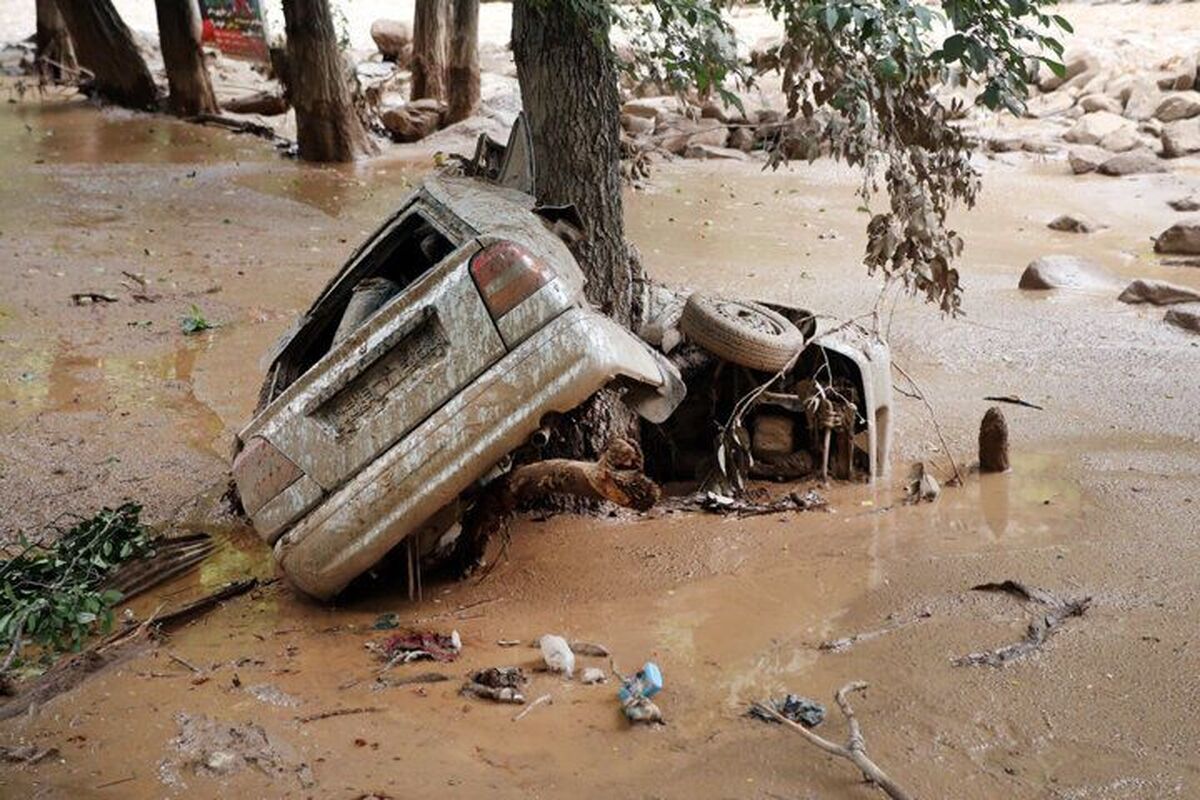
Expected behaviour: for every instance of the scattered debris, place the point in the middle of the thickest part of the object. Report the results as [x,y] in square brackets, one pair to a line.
[502,684]
[26,754]
[272,695]
[855,749]
[557,654]
[171,556]
[717,503]
[195,322]
[922,486]
[91,298]
[418,645]
[206,746]
[635,694]
[802,710]
[384,681]
[386,622]
[1040,629]
[339,712]
[1013,400]
[543,699]
[508,642]
[592,675]
[993,441]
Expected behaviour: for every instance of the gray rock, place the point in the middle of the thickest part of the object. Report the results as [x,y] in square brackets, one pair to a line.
[1182,238]
[1064,272]
[1186,319]
[1086,158]
[1132,163]
[1077,64]
[1178,72]
[1122,140]
[1189,203]
[637,125]
[1180,105]
[1143,100]
[1181,138]
[1100,102]
[1072,223]
[742,138]
[1159,293]
[656,108]
[1093,127]
[708,151]
[393,38]
[268,104]
[1050,105]
[412,122]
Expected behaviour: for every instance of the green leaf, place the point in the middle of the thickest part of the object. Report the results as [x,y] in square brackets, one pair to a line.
[1062,23]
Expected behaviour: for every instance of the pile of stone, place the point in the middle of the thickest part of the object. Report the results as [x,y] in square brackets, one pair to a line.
[709,130]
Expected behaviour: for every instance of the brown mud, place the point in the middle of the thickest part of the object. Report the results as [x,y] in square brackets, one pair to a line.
[103,402]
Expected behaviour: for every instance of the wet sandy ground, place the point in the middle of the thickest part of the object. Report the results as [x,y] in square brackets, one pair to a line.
[112,401]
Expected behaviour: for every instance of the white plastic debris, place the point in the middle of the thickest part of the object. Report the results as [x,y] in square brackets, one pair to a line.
[592,675]
[557,654]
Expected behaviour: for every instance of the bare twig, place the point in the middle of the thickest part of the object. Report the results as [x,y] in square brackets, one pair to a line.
[339,712]
[933,418]
[543,699]
[1039,630]
[855,749]
[183,662]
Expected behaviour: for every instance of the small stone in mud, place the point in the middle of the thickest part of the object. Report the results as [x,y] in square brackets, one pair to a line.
[993,441]
[1182,238]
[1188,320]
[1072,223]
[1189,203]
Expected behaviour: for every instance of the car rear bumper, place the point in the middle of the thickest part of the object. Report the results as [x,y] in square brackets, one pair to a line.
[555,370]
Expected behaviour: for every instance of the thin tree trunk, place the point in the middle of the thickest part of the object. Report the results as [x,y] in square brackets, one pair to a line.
[105,47]
[327,125]
[464,61]
[569,90]
[431,31]
[54,50]
[187,74]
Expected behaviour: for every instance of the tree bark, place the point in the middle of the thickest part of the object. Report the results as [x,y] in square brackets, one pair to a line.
[105,47]
[464,61]
[568,81]
[54,50]
[431,30]
[191,92]
[327,125]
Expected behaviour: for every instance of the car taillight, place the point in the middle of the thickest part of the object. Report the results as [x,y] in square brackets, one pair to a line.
[506,274]
[262,472]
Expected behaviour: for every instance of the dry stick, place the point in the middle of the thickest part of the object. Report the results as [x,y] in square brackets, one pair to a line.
[339,712]
[933,418]
[543,699]
[183,662]
[855,749]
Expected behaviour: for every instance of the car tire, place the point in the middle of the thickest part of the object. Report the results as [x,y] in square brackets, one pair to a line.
[741,332]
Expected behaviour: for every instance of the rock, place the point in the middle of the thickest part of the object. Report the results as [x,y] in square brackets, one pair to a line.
[1151,127]
[592,675]
[268,104]
[1143,100]
[714,110]
[656,108]
[993,441]
[674,133]
[1178,73]
[1072,223]
[708,151]
[1086,158]
[763,55]
[1160,293]
[1063,272]
[637,125]
[1181,138]
[1076,63]
[412,122]
[1093,127]
[393,38]
[1189,203]
[1182,238]
[710,134]
[742,138]
[1180,105]
[1050,105]
[1123,139]
[1132,163]
[1100,102]
[1188,320]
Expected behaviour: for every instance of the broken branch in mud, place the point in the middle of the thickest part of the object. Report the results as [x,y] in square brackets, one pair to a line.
[339,712]
[1040,629]
[855,749]
[1013,400]
[237,126]
[846,642]
[616,477]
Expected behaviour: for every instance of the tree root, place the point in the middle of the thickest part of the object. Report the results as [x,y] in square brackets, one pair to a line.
[1040,629]
[855,749]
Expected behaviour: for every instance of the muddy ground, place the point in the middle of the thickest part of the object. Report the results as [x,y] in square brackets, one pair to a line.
[104,402]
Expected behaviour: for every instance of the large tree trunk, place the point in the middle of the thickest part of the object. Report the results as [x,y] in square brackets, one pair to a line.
[54,51]
[327,125]
[105,47]
[431,30]
[569,91]
[464,61]
[187,74]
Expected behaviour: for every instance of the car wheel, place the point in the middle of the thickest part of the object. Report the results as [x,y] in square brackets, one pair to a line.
[741,332]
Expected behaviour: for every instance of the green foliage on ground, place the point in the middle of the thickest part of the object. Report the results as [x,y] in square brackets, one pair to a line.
[52,595]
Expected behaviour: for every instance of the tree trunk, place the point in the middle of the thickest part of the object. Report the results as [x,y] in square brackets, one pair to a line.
[54,50]
[187,74]
[464,61]
[327,125]
[569,91]
[431,30]
[104,46]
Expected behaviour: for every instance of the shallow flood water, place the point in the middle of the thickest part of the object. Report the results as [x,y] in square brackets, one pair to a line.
[111,400]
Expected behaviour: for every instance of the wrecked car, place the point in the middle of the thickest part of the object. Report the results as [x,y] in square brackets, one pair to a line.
[459,327]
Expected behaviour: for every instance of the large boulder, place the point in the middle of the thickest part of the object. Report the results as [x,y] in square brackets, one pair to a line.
[1135,162]
[1093,127]
[414,121]
[1126,138]
[1077,64]
[707,151]
[1064,272]
[1182,238]
[636,125]
[1159,293]
[1143,100]
[268,104]
[1178,72]
[656,108]
[393,38]
[1086,158]
[1072,223]
[1187,319]
[741,138]
[1100,102]
[673,134]
[1179,105]
[1181,138]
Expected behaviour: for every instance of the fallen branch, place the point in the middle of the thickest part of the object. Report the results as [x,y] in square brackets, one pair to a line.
[846,642]
[855,749]
[237,126]
[1040,629]
[1014,400]
[338,712]
[958,480]
[543,699]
